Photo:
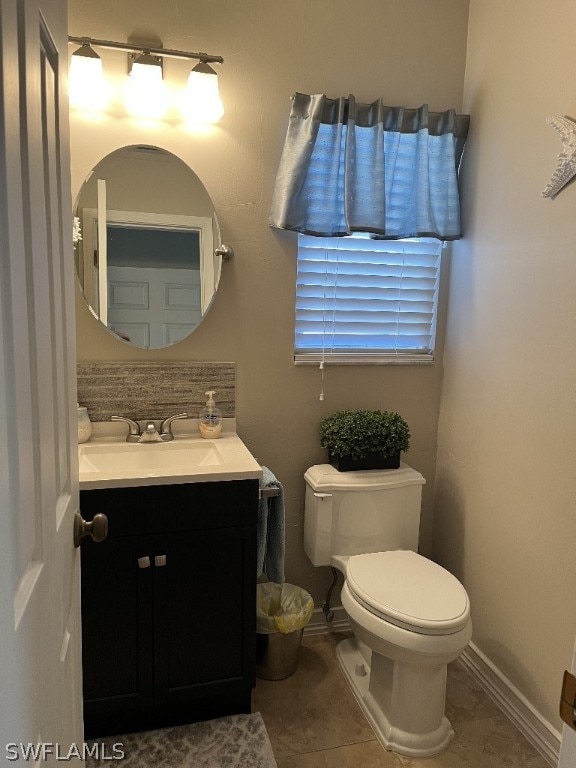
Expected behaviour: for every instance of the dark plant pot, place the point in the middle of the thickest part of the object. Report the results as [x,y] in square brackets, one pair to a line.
[372,461]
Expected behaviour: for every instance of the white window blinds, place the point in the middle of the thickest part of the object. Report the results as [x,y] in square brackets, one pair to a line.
[365,300]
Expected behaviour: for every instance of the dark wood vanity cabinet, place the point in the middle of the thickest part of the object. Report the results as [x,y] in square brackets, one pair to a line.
[168,605]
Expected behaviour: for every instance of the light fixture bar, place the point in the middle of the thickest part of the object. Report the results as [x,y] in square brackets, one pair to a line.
[164,52]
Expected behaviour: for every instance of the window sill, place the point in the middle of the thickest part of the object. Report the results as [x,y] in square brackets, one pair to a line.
[311,359]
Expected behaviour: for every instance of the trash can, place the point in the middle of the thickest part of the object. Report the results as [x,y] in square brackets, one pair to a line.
[282,612]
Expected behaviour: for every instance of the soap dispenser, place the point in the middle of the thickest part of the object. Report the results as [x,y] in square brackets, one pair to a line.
[210,418]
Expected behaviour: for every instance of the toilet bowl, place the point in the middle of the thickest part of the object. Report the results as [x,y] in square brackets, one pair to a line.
[410,617]
[415,621]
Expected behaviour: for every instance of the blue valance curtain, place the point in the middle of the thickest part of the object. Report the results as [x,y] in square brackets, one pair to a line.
[349,167]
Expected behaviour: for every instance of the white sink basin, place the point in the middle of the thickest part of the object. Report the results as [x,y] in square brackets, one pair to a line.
[110,464]
[152,457]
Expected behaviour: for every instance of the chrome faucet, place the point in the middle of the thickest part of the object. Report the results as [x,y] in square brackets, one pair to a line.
[150,434]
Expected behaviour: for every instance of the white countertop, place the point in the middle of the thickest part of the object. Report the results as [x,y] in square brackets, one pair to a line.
[108,461]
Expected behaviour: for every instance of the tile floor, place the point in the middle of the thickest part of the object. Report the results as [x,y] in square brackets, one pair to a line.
[313,721]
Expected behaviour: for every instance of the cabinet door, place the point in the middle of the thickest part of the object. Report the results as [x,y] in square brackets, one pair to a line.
[117,617]
[205,602]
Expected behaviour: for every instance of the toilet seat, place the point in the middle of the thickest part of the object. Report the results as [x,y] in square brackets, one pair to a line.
[408,590]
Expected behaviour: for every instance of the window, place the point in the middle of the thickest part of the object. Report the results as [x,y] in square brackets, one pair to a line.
[360,300]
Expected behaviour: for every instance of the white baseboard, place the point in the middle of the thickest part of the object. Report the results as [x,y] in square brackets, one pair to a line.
[531,724]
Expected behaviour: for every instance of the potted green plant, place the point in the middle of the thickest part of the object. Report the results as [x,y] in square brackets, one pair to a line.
[358,440]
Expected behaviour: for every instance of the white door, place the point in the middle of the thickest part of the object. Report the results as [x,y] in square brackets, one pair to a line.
[40,665]
[153,307]
[568,748]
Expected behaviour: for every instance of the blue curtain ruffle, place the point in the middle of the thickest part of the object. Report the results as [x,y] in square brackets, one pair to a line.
[389,171]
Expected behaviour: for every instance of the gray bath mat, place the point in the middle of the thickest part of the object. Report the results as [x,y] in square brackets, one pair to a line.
[238,741]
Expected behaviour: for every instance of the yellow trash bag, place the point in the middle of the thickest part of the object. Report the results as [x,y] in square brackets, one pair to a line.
[281,608]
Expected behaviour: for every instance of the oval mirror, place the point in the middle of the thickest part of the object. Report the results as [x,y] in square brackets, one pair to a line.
[149,254]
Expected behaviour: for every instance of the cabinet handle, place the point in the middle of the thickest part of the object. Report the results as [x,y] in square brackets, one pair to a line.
[144,562]
[160,561]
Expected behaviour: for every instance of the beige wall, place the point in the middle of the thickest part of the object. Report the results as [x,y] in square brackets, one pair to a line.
[505,516]
[408,53]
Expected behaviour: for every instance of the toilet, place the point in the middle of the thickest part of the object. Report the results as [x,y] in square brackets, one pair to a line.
[409,616]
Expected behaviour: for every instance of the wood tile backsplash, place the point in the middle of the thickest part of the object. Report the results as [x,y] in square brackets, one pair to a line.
[154,390]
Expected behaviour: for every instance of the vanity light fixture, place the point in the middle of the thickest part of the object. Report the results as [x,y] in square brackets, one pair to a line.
[87,87]
[201,101]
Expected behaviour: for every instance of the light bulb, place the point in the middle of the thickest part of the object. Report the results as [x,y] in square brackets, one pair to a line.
[145,92]
[87,88]
[202,102]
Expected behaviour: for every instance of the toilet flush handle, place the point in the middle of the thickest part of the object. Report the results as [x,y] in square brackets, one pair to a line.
[323,495]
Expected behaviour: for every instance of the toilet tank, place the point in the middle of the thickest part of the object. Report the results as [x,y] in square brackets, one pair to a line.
[349,513]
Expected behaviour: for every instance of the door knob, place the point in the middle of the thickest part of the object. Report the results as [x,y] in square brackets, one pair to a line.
[97,528]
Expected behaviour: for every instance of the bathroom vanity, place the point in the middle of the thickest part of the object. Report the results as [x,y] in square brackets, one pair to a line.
[168,599]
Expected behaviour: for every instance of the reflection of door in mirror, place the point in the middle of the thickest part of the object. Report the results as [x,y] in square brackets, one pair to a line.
[152,275]
[146,261]
[152,302]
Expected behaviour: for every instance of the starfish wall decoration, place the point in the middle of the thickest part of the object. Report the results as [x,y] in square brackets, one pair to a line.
[566,167]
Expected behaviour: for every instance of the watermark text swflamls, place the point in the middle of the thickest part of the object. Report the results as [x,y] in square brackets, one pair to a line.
[42,751]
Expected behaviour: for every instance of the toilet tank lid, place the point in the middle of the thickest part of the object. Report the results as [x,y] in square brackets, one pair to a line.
[409,590]
[325,478]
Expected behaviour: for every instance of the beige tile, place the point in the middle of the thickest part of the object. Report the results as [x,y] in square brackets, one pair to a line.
[489,743]
[314,709]
[369,754]
[314,721]
[465,699]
